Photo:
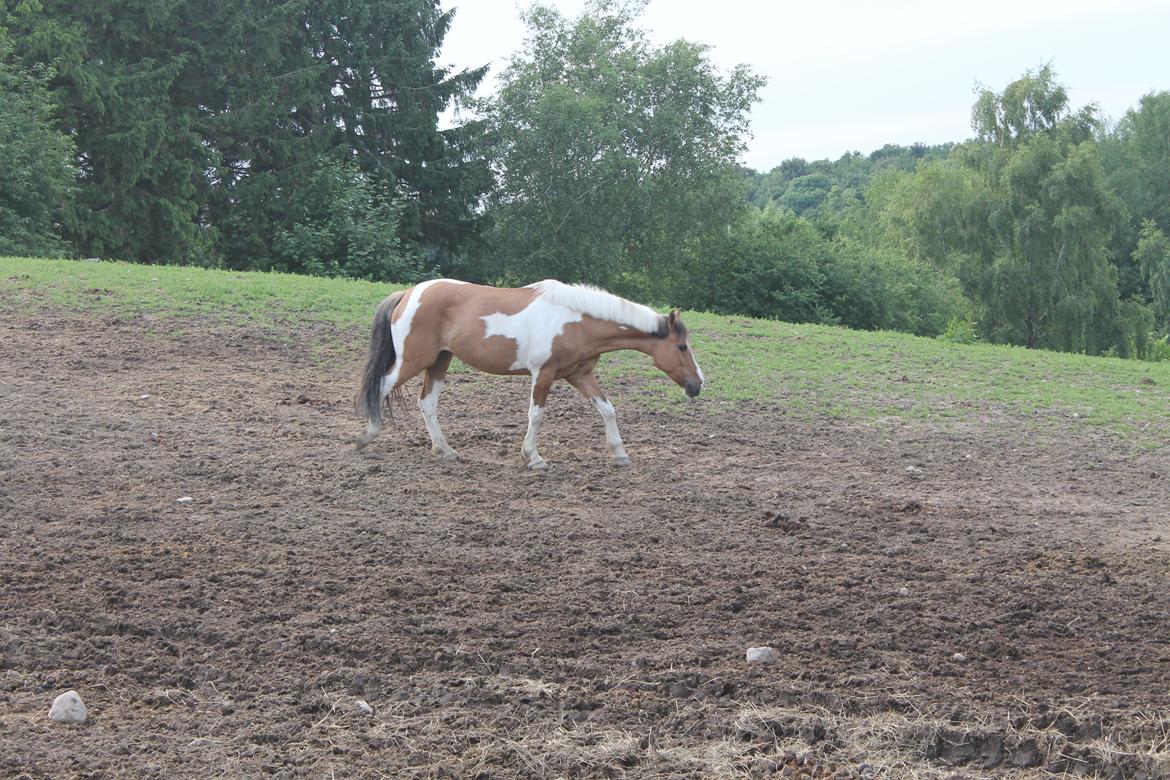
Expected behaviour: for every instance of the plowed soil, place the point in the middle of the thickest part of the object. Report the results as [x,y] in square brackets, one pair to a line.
[968,600]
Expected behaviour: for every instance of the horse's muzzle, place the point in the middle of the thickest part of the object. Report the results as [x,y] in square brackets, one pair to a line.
[692,389]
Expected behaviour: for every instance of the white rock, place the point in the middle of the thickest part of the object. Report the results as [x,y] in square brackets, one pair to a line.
[959,657]
[68,708]
[144,396]
[903,591]
[185,500]
[364,706]
[761,655]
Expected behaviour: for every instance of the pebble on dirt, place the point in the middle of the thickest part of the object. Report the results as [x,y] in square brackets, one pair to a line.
[68,708]
[364,707]
[761,655]
[959,657]
[185,500]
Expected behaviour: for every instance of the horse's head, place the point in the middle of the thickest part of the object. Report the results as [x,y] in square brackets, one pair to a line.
[674,357]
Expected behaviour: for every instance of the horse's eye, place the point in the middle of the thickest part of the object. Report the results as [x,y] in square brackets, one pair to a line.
[682,347]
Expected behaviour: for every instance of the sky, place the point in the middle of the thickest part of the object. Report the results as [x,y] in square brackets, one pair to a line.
[854,76]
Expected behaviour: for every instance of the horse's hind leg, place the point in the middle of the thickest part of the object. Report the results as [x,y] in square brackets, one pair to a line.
[428,404]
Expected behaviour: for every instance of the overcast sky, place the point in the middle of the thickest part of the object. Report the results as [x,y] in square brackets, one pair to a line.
[852,76]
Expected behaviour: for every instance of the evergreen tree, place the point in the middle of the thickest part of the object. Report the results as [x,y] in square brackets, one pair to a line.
[197,122]
[36,174]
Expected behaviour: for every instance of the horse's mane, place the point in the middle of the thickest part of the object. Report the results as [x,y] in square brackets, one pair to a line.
[601,305]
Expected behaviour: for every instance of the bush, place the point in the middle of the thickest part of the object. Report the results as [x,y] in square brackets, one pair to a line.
[334,222]
[875,289]
[960,330]
[768,264]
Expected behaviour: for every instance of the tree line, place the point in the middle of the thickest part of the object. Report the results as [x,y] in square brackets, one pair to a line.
[305,136]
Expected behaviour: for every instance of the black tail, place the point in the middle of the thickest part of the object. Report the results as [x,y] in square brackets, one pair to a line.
[381,358]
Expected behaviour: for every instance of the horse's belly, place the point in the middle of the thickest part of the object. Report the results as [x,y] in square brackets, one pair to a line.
[517,343]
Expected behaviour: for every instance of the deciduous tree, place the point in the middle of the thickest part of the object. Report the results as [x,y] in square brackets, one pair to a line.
[612,153]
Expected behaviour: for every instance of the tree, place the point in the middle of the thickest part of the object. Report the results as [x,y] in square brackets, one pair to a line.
[1024,217]
[197,121]
[139,157]
[612,154]
[1136,156]
[36,174]
[344,80]
[1152,256]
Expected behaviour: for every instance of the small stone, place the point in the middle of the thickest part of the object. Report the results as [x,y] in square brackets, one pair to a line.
[364,707]
[959,657]
[144,396]
[903,591]
[185,500]
[761,655]
[68,708]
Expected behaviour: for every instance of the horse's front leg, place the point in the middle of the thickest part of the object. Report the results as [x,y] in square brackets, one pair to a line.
[591,389]
[541,384]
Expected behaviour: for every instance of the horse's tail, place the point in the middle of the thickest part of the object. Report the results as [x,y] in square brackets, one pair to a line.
[379,361]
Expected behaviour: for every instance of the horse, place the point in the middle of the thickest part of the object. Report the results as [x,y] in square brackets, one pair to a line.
[548,330]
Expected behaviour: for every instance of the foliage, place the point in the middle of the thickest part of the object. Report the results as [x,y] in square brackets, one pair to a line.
[960,330]
[775,265]
[196,122]
[769,263]
[304,136]
[876,289]
[826,192]
[1136,156]
[1153,259]
[36,175]
[347,228]
[612,155]
[1023,217]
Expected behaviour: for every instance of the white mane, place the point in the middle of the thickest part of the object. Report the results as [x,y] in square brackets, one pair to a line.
[599,304]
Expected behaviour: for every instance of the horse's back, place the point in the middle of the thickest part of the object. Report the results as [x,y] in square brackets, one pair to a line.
[446,314]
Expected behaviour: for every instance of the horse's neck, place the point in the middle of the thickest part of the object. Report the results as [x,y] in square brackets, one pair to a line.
[611,337]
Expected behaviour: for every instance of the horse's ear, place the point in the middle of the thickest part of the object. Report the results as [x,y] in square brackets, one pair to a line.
[674,318]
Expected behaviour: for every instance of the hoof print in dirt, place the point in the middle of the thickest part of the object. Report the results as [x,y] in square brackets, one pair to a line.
[784,523]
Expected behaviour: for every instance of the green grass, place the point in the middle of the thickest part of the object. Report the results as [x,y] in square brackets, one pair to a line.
[798,369]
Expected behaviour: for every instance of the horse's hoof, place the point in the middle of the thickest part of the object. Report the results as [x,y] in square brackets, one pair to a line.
[538,464]
[447,454]
[621,462]
[361,441]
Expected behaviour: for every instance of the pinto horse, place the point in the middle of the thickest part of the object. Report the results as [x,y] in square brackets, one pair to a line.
[548,330]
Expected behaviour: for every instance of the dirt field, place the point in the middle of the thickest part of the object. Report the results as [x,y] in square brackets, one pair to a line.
[966,601]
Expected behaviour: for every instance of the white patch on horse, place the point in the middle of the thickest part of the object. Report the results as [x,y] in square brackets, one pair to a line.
[612,437]
[702,381]
[533,328]
[535,415]
[429,406]
[598,304]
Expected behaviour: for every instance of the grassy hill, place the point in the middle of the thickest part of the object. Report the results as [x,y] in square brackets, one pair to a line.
[798,369]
